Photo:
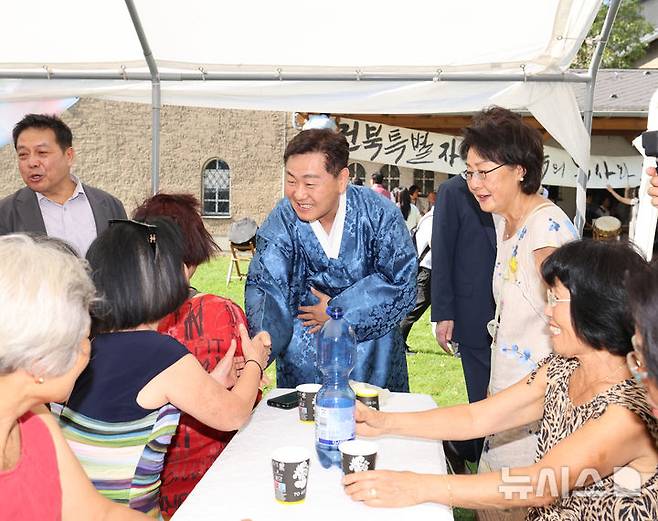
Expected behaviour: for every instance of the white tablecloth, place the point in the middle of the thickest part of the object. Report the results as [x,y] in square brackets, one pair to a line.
[239,484]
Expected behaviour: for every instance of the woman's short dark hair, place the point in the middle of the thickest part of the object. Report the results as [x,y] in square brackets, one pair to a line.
[377,177]
[594,272]
[139,282]
[501,136]
[184,210]
[328,142]
[405,203]
[643,294]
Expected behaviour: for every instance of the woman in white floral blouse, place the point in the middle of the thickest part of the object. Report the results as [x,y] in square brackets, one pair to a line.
[504,160]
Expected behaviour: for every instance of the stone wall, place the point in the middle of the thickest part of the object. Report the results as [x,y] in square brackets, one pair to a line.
[112,141]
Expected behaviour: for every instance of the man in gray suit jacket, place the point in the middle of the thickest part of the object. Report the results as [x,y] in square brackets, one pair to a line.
[54,202]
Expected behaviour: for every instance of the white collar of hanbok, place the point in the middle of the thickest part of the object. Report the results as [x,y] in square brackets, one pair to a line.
[331,242]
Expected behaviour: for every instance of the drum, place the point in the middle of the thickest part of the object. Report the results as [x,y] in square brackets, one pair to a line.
[242,233]
[606,228]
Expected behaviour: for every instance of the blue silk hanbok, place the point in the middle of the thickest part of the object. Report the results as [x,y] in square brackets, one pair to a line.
[373,280]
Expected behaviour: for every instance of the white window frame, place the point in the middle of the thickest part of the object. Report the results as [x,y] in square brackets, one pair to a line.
[218,167]
[391,176]
[422,177]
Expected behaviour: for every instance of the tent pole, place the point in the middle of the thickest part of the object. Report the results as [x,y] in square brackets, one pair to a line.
[156,104]
[54,74]
[581,185]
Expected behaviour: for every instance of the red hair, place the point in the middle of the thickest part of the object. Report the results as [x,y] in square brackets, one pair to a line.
[184,210]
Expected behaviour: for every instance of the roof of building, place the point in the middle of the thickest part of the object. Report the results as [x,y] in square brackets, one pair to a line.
[621,92]
[621,106]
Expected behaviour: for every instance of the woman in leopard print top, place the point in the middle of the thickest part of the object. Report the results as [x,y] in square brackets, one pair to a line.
[597,457]
[609,497]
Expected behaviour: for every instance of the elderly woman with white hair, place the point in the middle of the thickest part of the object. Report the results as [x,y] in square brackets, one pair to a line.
[45,294]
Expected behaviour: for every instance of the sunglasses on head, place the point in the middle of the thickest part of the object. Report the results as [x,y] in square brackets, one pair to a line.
[151,230]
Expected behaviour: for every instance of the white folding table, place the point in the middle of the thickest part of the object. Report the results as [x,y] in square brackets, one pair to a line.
[239,485]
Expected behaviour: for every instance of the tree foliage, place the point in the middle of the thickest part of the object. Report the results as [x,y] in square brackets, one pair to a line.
[624,47]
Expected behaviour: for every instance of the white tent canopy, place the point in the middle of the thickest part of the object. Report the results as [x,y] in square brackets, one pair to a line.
[418,43]
[297,35]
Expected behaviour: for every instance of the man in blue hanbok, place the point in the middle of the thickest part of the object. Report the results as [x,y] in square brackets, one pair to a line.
[329,242]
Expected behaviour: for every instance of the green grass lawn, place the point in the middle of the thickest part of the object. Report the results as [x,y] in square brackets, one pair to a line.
[431,371]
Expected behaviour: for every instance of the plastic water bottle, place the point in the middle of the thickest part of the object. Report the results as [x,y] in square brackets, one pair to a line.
[334,403]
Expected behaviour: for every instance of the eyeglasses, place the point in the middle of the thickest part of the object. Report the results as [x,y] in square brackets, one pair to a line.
[151,231]
[480,175]
[635,362]
[552,300]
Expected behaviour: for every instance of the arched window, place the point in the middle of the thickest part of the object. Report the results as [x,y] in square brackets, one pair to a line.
[424,179]
[391,176]
[357,172]
[216,187]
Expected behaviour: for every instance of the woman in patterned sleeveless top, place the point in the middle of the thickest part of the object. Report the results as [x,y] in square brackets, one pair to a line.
[596,456]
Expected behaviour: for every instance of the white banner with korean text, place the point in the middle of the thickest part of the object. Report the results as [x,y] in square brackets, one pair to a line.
[379,143]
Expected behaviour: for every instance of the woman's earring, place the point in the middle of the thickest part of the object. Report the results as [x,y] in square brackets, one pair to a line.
[39,380]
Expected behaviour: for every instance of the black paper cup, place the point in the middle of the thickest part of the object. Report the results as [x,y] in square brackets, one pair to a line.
[290,471]
[358,455]
[306,395]
[369,397]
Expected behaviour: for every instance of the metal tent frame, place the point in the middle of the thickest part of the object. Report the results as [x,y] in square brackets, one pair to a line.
[156,77]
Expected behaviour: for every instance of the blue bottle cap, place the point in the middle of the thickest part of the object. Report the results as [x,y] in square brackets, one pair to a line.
[335,312]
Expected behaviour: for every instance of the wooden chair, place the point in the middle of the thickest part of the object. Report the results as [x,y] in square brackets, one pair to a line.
[239,253]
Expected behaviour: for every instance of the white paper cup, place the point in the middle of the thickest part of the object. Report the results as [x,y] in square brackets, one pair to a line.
[290,467]
[306,395]
[358,455]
